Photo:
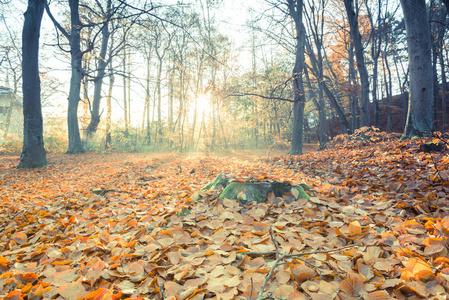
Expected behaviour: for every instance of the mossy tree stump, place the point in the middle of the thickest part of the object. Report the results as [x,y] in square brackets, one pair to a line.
[220,182]
[255,191]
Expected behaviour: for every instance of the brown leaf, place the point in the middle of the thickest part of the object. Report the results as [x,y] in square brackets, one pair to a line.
[73,290]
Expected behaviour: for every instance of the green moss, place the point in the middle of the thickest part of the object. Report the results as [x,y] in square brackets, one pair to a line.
[218,181]
[259,191]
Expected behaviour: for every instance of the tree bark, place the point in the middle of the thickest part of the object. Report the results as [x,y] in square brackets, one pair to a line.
[375,53]
[338,108]
[353,98]
[75,145]
[361,66]
[435,84]
[125,102]
[146,114]
[109,111]
[388,87]
[33,151]
[316,25]
[443,90]
[420,112]
[101,67]
[296,9]
[74,39]
[333,101]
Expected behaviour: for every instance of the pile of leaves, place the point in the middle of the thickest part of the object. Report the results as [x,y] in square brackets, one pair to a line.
[119,226]
[362,137]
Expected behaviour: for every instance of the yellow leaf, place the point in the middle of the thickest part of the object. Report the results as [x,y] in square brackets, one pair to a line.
[182,195]
[165,232]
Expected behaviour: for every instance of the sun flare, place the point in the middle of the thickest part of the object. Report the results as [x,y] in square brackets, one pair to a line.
[203,104]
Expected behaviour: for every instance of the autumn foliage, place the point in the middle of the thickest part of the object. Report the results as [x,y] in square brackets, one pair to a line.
[126,226]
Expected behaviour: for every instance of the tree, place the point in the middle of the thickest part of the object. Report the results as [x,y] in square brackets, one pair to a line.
[33,151]
[316,28]
[421,104]
[101,67]
[375,52]
[352,13]
[74,39]
[296,9]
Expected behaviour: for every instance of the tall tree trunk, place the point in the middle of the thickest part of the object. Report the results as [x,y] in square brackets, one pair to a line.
[420,113]
[171,96]
[101,67]
[375,53]
[296,10]
[353,98]
[129,88]
[74,39]
[75,145]
[109,111]
[443,90]
[159,100]
[435,84]
[213,103]
[322,116]
[316,24]
[361,66]
[146,114]
[388,87]
[33,151]
[125,102]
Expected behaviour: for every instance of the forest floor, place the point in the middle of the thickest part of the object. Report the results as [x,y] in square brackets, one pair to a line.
[117,226]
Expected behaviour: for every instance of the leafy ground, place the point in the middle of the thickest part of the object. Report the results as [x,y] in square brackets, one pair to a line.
[116,226]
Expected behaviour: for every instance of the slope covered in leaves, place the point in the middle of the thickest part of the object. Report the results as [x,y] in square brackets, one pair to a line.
[117,226]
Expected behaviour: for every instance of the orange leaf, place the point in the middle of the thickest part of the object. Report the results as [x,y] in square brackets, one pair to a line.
[132,223]
[379,295]
[180,276]
[14,295]
[19,237]
[296,295]
[26,288]
[62,263]
[182,195]
[355,228]
[165,232]
[96,295]
[41,289]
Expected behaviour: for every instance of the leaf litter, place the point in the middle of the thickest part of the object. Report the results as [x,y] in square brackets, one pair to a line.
[126,226]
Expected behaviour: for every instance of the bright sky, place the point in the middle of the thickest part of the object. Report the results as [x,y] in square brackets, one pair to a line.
[232,17]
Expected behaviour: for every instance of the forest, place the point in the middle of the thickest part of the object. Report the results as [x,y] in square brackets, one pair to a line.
[220,149]
[190,77]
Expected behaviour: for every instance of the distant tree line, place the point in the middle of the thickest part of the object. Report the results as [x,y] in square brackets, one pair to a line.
[311,62]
